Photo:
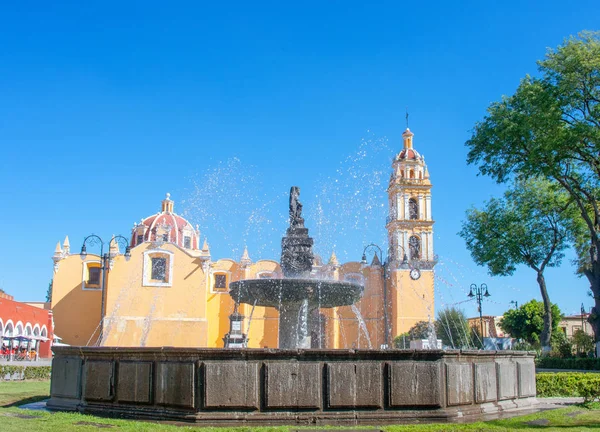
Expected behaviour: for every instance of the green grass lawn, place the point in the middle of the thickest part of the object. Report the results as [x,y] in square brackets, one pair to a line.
[576,418]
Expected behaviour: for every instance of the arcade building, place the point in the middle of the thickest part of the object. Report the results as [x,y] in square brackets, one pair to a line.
[163,287]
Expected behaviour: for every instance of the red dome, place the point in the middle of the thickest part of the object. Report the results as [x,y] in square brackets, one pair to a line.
[409,154]
[166,226]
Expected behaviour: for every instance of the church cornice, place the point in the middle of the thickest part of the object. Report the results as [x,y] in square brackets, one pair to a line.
[398,187]
[395,223]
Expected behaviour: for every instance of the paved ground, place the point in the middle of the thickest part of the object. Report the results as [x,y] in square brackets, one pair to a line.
[44,362]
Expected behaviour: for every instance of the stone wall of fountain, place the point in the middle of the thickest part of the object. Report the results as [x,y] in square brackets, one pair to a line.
[310,387]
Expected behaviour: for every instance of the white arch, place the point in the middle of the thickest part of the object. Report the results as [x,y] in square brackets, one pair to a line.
[19,329]
[9,328]
[44,331]
[36,327]
[28,329]
[1,327]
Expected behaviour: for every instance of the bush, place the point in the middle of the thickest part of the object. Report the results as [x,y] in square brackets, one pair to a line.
[568,363]
[37,373]
[12,372]
[568,384]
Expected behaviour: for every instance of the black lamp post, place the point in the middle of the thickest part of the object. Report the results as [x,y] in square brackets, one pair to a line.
[105,261]
[514,302]
[582,318]
[479,292]
[375,249]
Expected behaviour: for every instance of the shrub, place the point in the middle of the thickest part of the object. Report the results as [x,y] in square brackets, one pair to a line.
[568,363]
[12,372]
[568,384]
[37,372]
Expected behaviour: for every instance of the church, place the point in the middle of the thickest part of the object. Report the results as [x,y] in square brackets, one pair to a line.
[162,286]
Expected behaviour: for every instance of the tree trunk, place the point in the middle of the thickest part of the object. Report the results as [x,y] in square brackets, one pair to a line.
[547,331]
[593,276]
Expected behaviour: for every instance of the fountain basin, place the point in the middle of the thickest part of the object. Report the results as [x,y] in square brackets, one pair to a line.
[271,387]
[278,292]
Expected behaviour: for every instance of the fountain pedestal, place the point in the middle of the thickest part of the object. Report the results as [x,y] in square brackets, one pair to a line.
[293,325]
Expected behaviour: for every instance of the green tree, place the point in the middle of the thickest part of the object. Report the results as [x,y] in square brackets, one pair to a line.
[550,127]
[49,291]
[418,331]
[527,322]
[584,343]
[528,226]
[452,328]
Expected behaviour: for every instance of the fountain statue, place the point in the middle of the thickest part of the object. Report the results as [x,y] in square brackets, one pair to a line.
[295,296]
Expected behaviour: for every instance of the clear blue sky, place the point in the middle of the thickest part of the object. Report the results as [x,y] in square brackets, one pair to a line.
[105,108]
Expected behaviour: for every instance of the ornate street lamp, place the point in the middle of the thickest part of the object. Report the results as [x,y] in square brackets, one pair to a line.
[478,292]
[514,302]
[105,262]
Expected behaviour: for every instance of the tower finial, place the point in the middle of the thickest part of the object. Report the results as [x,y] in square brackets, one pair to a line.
[406,117]
[167,204]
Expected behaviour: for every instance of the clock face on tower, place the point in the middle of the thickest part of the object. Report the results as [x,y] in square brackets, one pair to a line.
[415,274]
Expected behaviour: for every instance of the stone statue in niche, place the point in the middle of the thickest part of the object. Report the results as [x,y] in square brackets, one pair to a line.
[414,246]
[413,209]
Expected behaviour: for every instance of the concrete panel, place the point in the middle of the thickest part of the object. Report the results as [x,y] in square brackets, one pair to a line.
[99,381]
[232,384]
[355,385]
[485,382]
[66,377]
[135,382]
[507,379]
[459,383]
[175,384]
[415,384]
[293,385]
[526,372]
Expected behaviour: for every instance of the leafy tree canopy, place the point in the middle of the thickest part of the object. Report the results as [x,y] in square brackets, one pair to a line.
[529,225]
[527,321]
[550,127]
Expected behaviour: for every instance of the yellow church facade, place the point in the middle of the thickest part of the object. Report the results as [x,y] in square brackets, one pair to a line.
[166,289]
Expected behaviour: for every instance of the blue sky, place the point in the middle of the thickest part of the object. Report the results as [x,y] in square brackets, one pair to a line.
[105,107]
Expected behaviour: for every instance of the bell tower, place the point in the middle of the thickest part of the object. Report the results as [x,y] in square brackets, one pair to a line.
[410,239]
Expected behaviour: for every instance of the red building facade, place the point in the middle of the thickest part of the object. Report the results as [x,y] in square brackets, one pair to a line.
[21,319]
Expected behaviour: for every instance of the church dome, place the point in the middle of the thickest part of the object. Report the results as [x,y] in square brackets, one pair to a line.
[166,226]
[408,152]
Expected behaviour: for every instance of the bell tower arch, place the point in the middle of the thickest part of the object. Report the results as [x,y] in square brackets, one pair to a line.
[410,239]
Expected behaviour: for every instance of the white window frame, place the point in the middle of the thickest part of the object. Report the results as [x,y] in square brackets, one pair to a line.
[147,267]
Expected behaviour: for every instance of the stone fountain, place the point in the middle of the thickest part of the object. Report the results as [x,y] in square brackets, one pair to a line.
[295,296]
[247,387]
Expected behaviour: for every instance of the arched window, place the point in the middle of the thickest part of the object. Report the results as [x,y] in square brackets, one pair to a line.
[412,174]
[414,245]
[1,328]
[413,209]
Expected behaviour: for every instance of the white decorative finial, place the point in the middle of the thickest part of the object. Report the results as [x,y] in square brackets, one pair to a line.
[168,195]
